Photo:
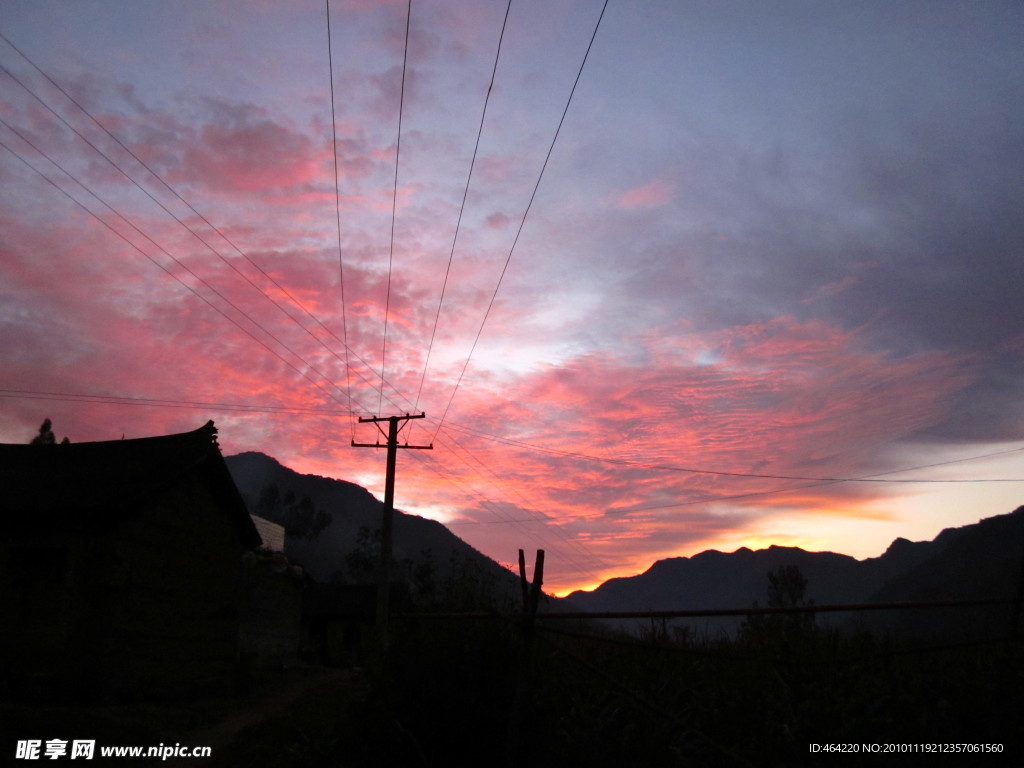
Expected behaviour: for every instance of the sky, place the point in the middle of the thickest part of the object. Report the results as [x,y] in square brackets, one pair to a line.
[661,284]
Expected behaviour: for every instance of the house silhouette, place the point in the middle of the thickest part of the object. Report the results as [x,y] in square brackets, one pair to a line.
[121,568]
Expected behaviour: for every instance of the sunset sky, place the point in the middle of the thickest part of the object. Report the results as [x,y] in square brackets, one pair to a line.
[781,243]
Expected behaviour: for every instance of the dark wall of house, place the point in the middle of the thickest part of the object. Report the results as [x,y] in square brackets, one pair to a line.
[37,602]
[144,607]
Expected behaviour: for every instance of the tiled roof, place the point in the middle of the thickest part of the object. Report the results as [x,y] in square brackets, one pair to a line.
[91,483]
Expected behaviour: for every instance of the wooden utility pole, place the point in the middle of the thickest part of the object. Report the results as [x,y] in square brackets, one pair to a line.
[387,520]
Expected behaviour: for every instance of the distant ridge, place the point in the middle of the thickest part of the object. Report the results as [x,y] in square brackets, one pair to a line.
[979,561]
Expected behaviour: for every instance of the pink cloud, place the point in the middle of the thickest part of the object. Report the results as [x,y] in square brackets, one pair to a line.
[249,158]
[653,194]
[498,220]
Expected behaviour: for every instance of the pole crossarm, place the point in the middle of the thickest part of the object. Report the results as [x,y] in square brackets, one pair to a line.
[389,419]
[385,445]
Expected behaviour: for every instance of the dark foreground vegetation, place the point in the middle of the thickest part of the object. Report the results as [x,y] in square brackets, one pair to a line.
[446,696]
[454,689]
[451,692]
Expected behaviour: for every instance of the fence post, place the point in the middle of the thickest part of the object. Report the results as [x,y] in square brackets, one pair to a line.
[531,601]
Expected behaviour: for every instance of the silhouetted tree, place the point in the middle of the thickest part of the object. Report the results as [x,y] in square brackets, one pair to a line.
[424,576]
[787,587]
[45,436]
[269,504]
[363,561]
[300,518]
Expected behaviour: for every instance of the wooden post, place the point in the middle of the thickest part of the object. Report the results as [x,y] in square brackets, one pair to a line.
[531,601]
[531,597]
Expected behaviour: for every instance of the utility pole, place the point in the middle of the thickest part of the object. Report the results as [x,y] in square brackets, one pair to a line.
[387,521]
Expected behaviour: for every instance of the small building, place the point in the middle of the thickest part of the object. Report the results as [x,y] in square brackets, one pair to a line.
[121,568]
[271,533]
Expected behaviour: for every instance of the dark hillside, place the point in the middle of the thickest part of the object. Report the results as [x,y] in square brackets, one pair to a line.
[332,529]
[980,561]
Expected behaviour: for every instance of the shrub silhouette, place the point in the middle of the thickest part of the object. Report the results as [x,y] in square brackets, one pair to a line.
[782,633]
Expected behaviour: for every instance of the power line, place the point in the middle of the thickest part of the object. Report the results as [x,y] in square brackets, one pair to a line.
[337,212]
[394,205]
[710,499]
[547,520]
[544,519]
[262,408]
[72,397]
[537,517]
[494,522]
[522,221]
[821,483]
[488,505]
[875,478]
[462,208]
[295,301]
[203,218]
[287,410]
[125,400]
[192,290]
[256,408]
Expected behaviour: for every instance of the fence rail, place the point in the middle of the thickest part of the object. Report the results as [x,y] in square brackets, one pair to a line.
[712,612]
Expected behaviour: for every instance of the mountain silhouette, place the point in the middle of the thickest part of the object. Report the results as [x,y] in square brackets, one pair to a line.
[974,562]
